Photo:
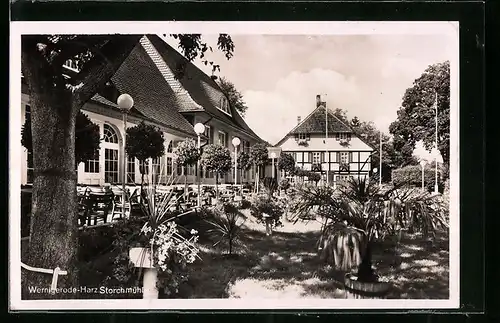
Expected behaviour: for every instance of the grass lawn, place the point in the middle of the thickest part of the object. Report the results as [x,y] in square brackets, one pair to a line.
[286,266]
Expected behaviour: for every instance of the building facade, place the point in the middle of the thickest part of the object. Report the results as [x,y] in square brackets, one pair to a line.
[173,104]
[322,143]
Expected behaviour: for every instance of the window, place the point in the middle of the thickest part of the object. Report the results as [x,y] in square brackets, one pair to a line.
[156,169]
[342,136]
[29,169]
[190,170]
[222,138]
[92,165]
[343,179]
[169,166]
[27,112]
[29,155]
[208,134]
[344,157]
[209,174]
[302,136]
[179,169]
[169,148]
[110,134]
[224,105]
[111,165]
[316,158]
[144,167]
[130,170]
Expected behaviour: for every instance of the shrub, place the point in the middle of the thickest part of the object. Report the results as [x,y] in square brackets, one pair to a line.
[412,176]
[266,204]
[284,184]
[226,224]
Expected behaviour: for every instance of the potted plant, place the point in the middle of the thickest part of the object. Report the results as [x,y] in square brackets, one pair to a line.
[344,142]
[266,208]
[302,142]
[360,213]
[161,248]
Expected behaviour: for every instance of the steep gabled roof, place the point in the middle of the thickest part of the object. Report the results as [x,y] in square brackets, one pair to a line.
[196,90]
[140,77]
[315,123]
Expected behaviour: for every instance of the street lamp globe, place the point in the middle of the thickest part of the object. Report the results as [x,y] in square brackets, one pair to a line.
[125,102]
[375,170]
[199,128]
[273,155]
[236,141]
[423,162]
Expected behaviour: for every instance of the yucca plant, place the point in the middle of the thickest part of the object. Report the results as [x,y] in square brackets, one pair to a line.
[359,212]
[226,224]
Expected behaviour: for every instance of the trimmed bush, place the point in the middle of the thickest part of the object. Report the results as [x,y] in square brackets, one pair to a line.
[412,176]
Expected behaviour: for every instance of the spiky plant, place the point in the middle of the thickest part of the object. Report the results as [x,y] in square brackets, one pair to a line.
[226,224]
[359,212]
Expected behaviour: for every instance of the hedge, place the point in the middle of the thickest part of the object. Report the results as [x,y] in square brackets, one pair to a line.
[412,176]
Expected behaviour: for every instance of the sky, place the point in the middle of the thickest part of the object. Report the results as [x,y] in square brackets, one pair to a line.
[279,76]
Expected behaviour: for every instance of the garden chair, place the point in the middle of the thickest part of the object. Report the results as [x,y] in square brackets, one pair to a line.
[119,204]
[99,207]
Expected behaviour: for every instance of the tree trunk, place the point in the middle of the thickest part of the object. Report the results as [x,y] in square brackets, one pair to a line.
[54,222]
[365,270]
[216,187]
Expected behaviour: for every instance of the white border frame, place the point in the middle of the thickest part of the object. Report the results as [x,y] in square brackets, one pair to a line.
[233,28]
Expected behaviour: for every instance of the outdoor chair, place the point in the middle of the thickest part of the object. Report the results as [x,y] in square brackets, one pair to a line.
[119,204]
[99,206]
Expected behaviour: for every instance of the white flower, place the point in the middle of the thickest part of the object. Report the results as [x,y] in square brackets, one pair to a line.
[193,232]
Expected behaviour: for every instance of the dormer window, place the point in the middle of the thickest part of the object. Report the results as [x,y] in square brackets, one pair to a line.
[224,105]
[302,137]
[342,136]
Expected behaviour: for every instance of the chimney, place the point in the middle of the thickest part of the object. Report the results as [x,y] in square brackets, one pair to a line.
[298,119]
[318,100]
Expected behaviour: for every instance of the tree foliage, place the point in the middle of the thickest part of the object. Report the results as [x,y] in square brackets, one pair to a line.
[244,161]
[416,117]
[145,141]
[286,163]
[258,154]
[234,96]
[57,96]
[187,152]
[87,139]
[217,159]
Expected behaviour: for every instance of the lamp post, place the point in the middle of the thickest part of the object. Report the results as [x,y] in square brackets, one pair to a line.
[125,102]
[273,156]
[199,128]
[422,163]
[236,142]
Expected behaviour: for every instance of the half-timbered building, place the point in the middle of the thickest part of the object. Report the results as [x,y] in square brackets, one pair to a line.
[323,143]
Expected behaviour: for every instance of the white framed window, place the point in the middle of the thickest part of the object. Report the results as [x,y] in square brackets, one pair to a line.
[344,157]
[224,105]
[169,148]
[222,138]
[303,136]
[169,166]
[110,134]
[130,170]
[156,168]
[342,179]
[208,134]
[343,136]
[316,157]
[92,165]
